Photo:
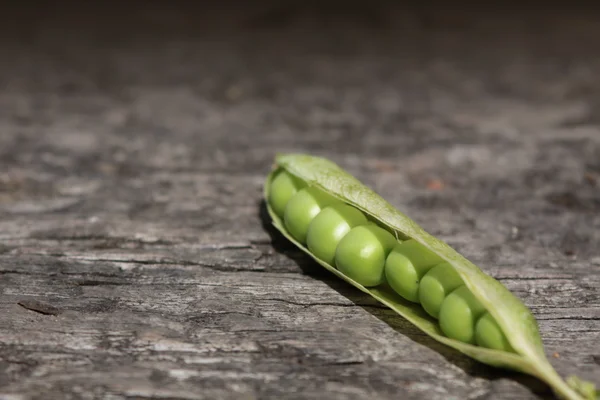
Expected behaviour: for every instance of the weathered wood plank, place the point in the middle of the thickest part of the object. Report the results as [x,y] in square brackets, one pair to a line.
[134,144]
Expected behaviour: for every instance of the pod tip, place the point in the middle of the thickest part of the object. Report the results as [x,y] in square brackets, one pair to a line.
[585,388]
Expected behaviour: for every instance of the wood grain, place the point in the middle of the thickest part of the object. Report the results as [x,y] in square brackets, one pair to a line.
[134,141]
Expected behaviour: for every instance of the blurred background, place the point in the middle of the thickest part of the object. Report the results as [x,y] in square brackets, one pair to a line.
[494,101]
[135,137]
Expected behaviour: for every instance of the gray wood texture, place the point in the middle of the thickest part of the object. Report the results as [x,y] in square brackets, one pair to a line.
[136,260]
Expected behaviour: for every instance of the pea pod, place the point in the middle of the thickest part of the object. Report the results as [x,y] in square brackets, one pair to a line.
[496,328]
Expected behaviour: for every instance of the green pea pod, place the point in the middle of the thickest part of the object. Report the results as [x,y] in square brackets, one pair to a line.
[513,317]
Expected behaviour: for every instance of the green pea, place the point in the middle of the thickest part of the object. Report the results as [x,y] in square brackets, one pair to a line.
[329,227]
[406,265]
[362,252]
[283,187]
[302,208]
[459,312]
[440,281]
[488,334]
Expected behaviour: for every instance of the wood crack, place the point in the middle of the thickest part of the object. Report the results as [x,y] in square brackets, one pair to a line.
[328,304]
[39,307]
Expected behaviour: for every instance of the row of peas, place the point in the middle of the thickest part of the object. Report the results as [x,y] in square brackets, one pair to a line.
[342,236]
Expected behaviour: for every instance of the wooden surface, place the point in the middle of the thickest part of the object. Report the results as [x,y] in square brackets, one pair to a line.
[136,261]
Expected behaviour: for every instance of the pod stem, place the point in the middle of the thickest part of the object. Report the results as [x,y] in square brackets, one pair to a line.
[572,389]
[585,388]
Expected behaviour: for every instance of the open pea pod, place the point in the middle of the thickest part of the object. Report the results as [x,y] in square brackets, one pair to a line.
[513,318]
